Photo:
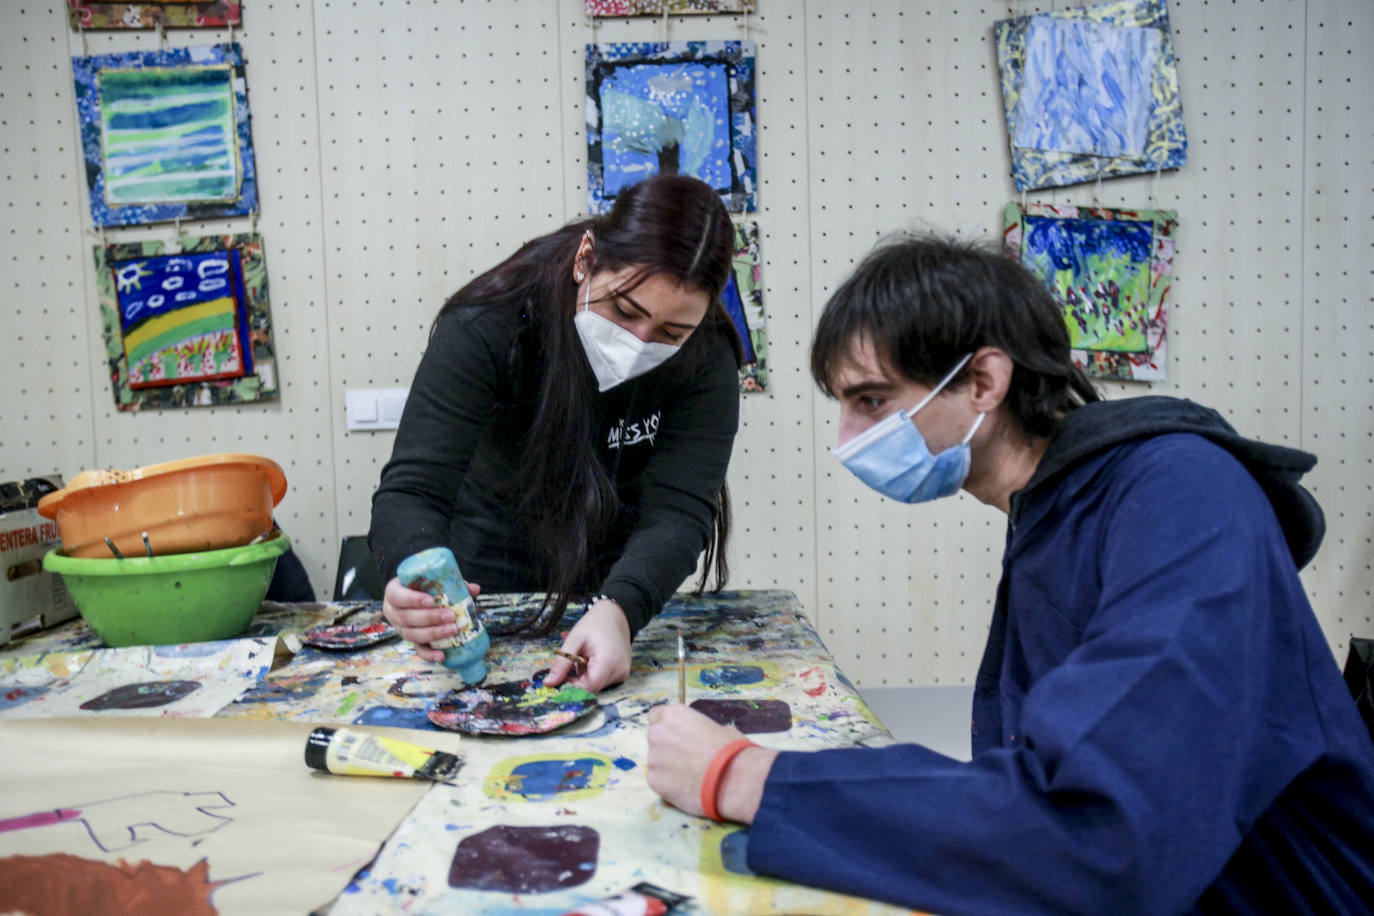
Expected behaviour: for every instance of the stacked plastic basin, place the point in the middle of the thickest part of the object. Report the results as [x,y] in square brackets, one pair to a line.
[170,553]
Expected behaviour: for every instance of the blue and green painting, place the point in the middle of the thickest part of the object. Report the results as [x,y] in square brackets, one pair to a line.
[1099,271]
[168,134]
[165,134]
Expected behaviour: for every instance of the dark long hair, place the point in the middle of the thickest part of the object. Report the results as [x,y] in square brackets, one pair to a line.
[925,301]
[668,224]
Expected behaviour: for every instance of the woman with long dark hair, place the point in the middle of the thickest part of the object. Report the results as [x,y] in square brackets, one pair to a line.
[570,424]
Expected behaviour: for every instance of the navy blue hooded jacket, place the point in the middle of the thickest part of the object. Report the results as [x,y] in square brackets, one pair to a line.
[1159,725]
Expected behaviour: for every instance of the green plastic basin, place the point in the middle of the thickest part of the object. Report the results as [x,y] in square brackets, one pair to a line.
[184,597]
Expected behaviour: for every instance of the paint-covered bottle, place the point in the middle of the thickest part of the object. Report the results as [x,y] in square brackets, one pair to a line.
[347,752]
[435,571]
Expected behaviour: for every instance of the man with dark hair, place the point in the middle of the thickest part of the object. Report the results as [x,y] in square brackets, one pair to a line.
[1158,723]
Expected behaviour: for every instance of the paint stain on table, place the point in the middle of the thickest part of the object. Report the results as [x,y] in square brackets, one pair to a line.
[731,675]
[525,860]
[749,716]
[524,707]
[59,882]
[146,695]
[395,717]
[349,636]
[546,777]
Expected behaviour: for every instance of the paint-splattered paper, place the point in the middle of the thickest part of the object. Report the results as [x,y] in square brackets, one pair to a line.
[1090,92]
[743,299]
[1111,271]
[184,816]
[273,619]
[187,681]
[554,822]
[683,107]
[187,329]
[165,134]
[596,8]
[170,14]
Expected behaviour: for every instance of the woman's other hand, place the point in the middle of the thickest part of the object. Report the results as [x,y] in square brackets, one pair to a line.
[602,637]
[420,618]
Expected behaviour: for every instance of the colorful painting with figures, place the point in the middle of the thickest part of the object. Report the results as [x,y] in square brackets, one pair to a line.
[1111,271]
[190,328]
[683,107]
[1090,92]
[165,134]
[183,318]
[150,14]
[666,7]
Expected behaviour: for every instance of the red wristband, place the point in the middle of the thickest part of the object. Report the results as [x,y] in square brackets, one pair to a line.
[710,783]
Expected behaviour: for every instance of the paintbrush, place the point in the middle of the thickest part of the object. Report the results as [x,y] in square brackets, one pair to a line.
[579,661]
[681,670]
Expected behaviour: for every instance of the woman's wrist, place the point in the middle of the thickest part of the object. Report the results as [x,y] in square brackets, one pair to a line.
[741,789]
[605,605]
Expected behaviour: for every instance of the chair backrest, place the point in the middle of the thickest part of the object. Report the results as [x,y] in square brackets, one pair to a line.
[1359,677]
[358,576]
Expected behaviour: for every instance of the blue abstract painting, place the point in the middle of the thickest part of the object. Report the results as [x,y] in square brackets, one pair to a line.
[665,118]
[671,108]
[165,134]
[1086,87]
[1090,92]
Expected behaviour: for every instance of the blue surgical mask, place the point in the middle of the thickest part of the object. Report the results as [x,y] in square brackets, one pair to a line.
[892,456]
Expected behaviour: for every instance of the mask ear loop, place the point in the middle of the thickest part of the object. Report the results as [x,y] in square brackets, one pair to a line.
[974,428]
[938,388]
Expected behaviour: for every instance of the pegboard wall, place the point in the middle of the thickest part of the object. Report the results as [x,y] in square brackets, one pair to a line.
[404,145]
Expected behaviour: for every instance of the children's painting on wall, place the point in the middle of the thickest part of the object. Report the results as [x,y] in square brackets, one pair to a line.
[683,107]
[666,7]
[183,318]
[187,328]
[743,299]
[149,14]
[1090,92]
[165,135]
[1111,272]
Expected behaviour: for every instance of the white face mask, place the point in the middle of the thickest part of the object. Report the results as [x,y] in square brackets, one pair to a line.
[616,355]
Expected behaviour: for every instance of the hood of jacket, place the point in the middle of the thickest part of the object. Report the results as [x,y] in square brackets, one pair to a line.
[1100,425]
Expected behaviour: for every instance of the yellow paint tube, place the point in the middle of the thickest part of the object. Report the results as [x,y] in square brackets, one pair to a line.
[346,752]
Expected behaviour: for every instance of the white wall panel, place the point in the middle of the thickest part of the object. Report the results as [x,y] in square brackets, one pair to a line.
[1337,343]
[45,344]
[905,134]
[440,138]
[404,146]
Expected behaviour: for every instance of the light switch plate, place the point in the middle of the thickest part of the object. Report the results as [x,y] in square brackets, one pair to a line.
[371,409]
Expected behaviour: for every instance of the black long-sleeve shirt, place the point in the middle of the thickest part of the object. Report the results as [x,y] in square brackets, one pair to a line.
[665,438]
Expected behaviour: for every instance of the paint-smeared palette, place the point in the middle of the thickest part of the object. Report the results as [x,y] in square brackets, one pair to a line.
[524,707]
[349,635]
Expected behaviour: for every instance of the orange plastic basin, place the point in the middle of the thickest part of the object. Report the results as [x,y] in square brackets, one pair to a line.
[205,503]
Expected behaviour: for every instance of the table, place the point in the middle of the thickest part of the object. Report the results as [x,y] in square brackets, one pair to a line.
[545,823]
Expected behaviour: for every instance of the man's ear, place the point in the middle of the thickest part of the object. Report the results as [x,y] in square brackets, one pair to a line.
[989,378]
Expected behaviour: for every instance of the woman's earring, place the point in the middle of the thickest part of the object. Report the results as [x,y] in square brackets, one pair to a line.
[578,276]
